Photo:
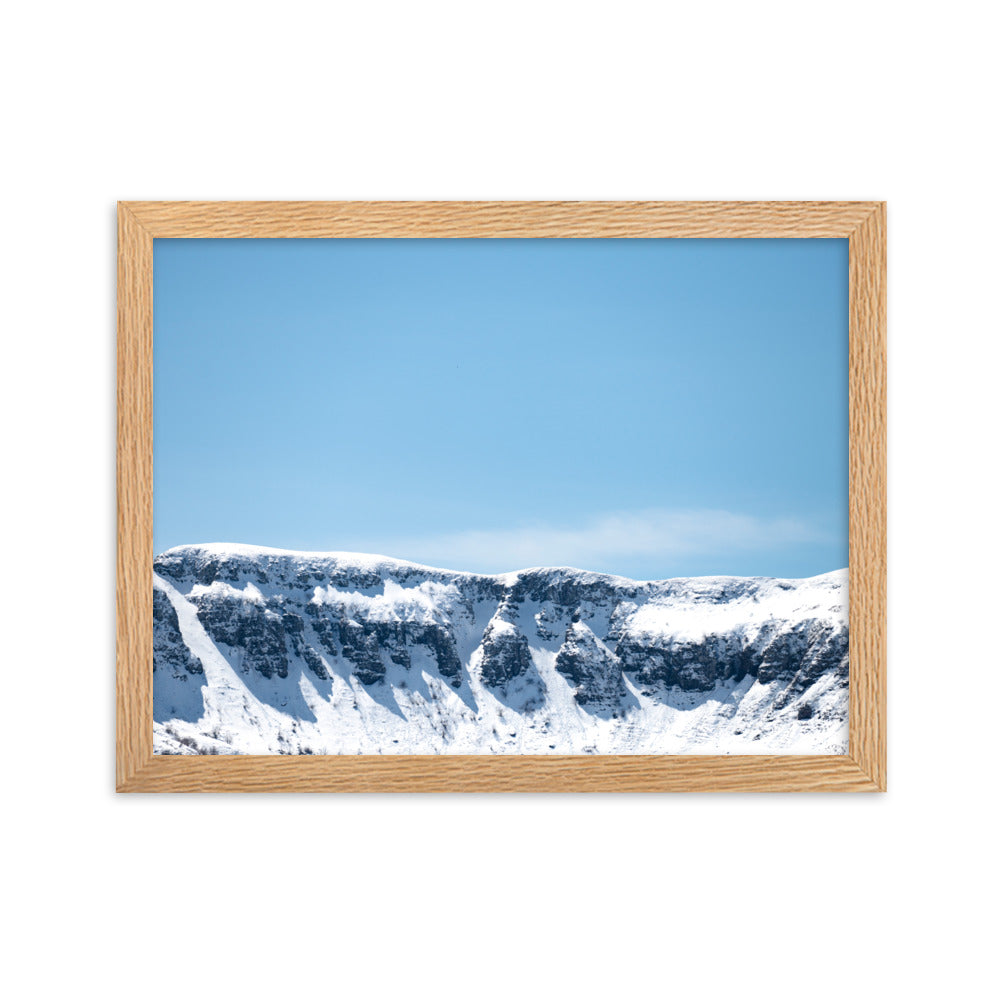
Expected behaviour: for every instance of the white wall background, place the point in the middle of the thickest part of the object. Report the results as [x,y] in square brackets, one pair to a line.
[212,897]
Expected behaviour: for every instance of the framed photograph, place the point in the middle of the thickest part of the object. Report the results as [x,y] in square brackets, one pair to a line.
[501,496]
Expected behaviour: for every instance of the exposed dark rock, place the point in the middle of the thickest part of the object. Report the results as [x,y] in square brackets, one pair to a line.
[315,663]
[505,653]
[169,649]
[360,645]
[594,670]
[689,665]
[802,653]
[247,626]
[325,627]
[569,588]
[295,633]
[442,644]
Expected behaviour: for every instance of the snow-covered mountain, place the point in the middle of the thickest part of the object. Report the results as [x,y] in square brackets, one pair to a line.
[263,651]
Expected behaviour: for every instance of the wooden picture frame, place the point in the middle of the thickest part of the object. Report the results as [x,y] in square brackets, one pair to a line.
[863,768]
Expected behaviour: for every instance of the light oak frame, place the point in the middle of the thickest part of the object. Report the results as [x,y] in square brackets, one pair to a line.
[863,768]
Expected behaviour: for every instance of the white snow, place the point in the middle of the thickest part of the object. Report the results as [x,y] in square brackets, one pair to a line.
[220,589]
[395,603]
[416,710]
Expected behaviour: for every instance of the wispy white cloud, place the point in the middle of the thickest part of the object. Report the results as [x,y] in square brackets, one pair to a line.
[663,540]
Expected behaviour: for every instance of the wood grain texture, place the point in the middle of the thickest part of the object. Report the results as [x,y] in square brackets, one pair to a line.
[864,766]
[867,471]
[134,475]
[498,219]
[444,773]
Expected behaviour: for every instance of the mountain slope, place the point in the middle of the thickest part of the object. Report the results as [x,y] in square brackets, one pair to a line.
[264,651]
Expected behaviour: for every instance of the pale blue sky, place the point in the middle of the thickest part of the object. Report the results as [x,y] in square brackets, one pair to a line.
[652,408]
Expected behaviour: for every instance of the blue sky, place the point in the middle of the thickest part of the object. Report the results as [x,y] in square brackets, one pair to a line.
[651,408]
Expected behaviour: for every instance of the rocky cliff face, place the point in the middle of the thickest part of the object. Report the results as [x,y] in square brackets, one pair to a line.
[261,651]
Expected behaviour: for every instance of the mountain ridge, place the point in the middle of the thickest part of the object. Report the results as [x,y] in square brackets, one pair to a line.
[261,650]
[367,559]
